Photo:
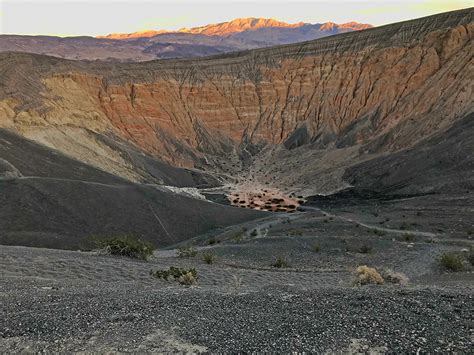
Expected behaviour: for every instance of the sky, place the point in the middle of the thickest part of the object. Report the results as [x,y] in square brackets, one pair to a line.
[99,17]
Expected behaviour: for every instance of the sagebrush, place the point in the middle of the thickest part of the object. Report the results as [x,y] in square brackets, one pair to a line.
[451,262]
[184,276]
[187,252]
[208,258]
[368,275]
[125,245]
[280,262]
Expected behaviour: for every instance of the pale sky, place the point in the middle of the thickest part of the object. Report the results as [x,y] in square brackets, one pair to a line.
[99,17]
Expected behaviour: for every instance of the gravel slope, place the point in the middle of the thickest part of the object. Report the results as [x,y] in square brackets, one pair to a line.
[56,300]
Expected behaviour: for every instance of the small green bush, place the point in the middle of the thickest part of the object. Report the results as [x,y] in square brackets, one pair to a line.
[254,233]
[187,252]
[280,262]
[408,237]
[240,234]
[126,245]
[451,262]
[208,258]
[183,276]
[316,248]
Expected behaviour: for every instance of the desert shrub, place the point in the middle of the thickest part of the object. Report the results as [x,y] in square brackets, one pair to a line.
[451,262]
[186,277]
[280,262]
[295,232]
[208,258]
[187,252]
[126,245]
[408,237]
[394,277]
[470,258]
[316,248]
[368,275]
[212,241]
[364,249]
[254,233]
[240,234]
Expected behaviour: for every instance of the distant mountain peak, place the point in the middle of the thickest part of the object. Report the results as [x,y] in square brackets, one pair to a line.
[140,34]
[237,25]
[355,26]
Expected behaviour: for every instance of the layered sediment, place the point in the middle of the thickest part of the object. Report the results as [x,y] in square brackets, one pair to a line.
[382,89]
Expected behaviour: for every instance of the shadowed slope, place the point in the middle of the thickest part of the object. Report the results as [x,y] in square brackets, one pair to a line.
[442,163]
[49,200]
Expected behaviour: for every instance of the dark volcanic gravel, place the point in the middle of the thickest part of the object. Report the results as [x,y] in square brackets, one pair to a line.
[132,317]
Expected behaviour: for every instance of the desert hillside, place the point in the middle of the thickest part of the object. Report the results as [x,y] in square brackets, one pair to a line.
[368,92]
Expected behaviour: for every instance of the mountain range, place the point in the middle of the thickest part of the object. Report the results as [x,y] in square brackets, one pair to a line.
[239,34]
[239,25]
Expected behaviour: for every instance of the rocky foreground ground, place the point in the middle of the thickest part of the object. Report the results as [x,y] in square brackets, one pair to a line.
[56,300]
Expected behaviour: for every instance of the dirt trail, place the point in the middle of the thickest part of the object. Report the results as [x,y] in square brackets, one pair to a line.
[72,180]
[370,226]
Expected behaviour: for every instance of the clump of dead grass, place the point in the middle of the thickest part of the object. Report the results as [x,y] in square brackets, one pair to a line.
[366,275]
